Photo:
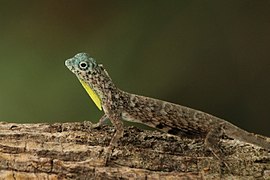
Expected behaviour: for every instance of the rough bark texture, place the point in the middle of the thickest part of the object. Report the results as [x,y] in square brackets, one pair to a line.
[76,151]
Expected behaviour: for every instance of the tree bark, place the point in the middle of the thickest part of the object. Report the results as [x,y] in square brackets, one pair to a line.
[76,151]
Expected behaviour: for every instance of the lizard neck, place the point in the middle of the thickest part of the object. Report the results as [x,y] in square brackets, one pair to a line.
[103,86]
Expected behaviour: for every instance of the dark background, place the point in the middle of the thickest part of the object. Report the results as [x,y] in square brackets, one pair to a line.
[208,55]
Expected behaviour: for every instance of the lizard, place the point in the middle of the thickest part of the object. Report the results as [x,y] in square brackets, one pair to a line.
[165,116]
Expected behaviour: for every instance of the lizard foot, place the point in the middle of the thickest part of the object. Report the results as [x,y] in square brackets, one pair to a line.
[107,154]
[212,142]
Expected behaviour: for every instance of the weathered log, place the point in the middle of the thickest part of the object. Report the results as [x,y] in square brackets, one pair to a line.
[76,151]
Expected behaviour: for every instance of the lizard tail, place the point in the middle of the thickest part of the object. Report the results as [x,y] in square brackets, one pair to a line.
[242,135]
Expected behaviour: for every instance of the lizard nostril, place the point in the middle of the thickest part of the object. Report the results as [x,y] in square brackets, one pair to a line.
[68,63]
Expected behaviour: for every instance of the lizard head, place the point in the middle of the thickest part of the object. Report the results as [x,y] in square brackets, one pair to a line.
[82,65]
[93,77]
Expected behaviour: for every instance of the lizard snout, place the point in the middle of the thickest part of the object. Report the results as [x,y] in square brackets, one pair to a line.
[68,64]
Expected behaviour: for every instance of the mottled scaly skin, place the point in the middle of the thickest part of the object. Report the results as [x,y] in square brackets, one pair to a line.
[167,117]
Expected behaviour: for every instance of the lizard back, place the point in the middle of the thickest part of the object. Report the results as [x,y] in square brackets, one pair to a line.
[168,117]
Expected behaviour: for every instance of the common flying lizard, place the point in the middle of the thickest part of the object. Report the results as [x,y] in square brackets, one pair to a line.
[168,117]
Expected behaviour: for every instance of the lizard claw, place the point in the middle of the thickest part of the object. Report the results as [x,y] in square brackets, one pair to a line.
[108,152]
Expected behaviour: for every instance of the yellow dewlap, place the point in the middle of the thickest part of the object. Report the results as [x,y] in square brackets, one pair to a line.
[92,94]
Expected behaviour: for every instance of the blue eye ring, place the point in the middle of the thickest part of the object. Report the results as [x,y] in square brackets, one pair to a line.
[83,65]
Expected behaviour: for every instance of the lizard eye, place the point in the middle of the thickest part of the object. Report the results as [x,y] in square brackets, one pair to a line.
[83,65]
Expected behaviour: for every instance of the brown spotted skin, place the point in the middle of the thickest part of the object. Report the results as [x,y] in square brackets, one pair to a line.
[165,116]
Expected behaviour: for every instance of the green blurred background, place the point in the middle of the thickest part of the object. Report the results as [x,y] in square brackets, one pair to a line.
[208,55]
